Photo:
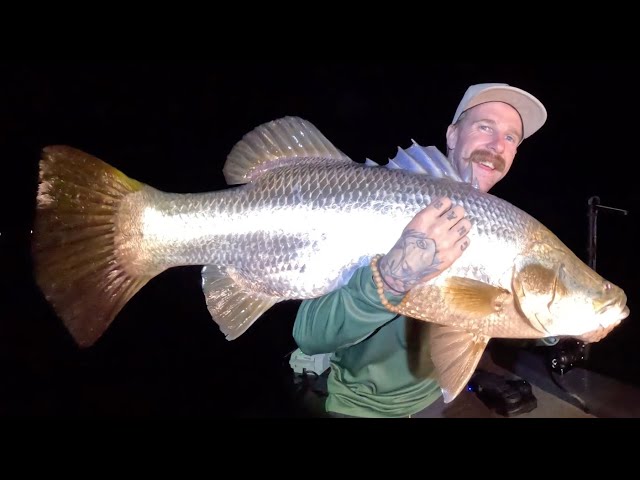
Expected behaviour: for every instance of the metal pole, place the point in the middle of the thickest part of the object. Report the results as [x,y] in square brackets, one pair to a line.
[592,251]
[594,206]
[594,202]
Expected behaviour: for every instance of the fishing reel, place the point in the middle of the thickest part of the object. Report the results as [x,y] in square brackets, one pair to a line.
[566,354]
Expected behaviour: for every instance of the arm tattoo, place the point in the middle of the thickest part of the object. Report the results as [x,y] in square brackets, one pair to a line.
[412,258]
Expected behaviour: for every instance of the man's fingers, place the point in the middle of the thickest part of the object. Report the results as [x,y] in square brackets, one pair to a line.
[441,209]
[462,244]
[440,204]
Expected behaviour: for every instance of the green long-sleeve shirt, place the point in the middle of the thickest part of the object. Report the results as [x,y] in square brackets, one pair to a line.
[370,372]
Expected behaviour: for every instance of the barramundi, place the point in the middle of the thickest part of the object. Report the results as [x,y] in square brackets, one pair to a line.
[297,219]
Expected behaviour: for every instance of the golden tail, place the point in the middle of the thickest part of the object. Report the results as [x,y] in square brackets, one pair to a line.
[75,262]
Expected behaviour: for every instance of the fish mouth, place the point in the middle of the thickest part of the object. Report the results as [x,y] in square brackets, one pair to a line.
[606,306]
[615,311]
[616,302]
[625,312]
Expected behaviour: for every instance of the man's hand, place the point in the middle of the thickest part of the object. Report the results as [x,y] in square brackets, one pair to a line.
[429,244]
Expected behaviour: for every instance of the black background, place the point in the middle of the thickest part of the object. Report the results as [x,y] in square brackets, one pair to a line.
[171,126]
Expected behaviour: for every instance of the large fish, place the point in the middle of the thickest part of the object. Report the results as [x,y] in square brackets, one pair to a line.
[299,220]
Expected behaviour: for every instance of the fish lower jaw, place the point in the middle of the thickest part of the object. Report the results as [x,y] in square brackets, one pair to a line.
[625,313]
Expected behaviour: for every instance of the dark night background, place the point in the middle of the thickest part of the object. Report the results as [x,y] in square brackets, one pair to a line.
[172,127]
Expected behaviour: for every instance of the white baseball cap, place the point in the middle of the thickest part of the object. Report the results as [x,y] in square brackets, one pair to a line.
[531,110]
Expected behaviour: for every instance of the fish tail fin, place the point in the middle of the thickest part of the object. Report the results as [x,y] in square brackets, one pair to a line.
[75,261]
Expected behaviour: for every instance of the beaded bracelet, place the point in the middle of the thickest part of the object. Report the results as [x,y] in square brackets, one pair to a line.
[377,279]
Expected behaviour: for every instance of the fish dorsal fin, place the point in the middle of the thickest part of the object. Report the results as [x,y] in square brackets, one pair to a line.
[232,306]
[430,161]
[455,354]
[276,143]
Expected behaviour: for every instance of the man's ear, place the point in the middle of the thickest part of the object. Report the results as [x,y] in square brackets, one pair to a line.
[452,136]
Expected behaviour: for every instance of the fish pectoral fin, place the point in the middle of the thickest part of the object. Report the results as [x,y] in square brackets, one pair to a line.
[231,306]
[455,354]
[473,297]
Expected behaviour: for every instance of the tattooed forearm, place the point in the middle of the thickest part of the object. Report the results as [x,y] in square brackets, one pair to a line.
[412,258]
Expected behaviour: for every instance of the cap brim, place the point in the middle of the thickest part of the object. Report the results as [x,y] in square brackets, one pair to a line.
[531,110]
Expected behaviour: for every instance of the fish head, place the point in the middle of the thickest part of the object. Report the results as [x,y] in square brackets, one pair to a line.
[562,296]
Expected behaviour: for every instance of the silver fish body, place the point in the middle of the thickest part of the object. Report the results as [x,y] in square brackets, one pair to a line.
[300,231]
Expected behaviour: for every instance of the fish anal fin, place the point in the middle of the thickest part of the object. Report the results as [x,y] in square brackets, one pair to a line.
[230,304]
[455,354]
[279,142]
[473,297]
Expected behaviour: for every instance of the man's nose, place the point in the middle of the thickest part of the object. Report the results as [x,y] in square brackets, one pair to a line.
[497,144]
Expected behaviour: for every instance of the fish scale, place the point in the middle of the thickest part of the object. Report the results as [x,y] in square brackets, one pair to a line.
[268,238]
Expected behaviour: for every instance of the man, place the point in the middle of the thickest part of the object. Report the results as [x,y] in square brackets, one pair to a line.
[371,373]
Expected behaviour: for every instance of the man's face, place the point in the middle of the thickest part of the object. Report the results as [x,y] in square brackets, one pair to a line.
[488,135]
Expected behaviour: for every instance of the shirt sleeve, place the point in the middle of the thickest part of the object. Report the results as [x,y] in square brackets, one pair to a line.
[343,317]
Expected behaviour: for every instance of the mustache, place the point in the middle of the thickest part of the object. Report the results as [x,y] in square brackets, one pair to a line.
[478,156]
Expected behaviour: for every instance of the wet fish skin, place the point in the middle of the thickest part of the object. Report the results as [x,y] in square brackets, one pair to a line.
[295,232]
